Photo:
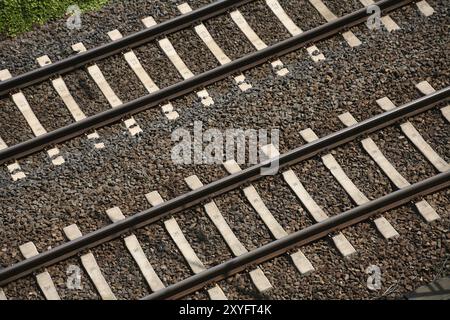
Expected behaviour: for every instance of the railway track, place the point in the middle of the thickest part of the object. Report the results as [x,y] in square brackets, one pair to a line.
[238,177]
[244,259]
[158,96]
[302,237]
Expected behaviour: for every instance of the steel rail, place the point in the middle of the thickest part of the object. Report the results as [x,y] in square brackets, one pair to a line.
[128,42]
[179,89]
[301,237]
[219,187]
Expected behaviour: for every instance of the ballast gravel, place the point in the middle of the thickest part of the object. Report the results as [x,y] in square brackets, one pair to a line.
[312,96]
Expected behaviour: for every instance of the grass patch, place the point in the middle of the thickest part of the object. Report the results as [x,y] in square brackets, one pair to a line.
[18,16]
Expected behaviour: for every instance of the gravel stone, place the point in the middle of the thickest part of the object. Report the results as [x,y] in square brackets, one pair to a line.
[312,95]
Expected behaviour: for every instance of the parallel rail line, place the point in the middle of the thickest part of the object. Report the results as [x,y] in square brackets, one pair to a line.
[221,186]
[187,86]
[302,237]
[131,41]
[283,242]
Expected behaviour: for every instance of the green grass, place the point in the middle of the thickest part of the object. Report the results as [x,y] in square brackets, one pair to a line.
[18,16]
